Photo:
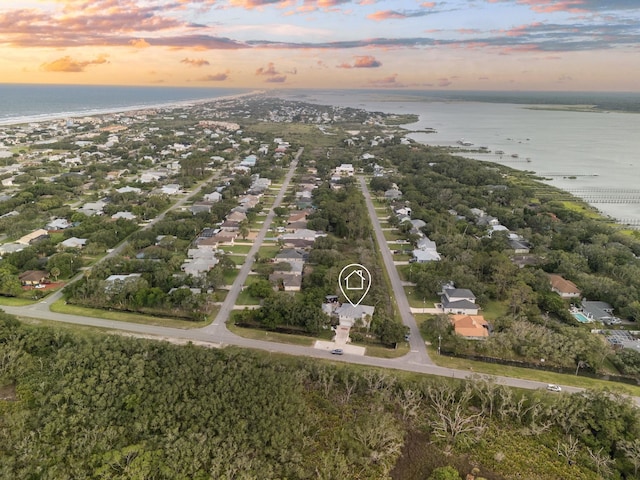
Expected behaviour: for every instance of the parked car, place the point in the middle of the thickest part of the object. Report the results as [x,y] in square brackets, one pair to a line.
[554,388]
[337,351]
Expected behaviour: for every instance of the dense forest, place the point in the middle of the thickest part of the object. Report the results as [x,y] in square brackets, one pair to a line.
[90,406]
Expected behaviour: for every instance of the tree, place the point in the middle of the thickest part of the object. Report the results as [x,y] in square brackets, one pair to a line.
[631,449]
[9,282]
[445,473]
[243,229]
[260,289]
[390,331]
[55,273]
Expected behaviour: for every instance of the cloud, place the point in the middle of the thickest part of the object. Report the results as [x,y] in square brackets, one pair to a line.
[574,6]
[390,81]
[196,62]
[269,70]
[277,79]
[444,82]
[251,4]
[399,14]
[139,43]
[365,61]
[68,64]
[273,75]
[218,77]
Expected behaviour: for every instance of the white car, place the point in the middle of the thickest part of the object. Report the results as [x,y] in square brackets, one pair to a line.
[554,388]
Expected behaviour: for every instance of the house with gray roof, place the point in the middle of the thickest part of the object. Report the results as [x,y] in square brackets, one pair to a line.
[600,311]
[458,301]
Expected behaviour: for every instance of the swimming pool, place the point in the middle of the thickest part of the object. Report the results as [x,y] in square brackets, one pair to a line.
[582,318]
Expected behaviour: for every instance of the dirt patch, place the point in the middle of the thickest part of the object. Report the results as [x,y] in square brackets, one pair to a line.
[8,393]
[420,458]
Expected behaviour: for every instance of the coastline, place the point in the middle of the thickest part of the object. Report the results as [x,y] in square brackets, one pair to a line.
[51,117]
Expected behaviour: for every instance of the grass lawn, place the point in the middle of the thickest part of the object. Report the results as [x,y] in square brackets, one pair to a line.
[61,307]
[384,352]
[256,334]
[401,257]
[493,309]
[245,299]
[230,276]
[392,235]
[530,374]
[416,300]
[268,251]
[237,249]
[379,203]
[16,301]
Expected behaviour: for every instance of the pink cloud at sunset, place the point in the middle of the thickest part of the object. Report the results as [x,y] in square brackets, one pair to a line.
[68,64]
[323,42]
[365,61]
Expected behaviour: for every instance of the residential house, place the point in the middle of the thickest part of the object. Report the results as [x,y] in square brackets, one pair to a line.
[171,189]
[286,281]
[201,207]
[213,197]
[236,217]
[33,237]
[128,190]
[563,287]
[519,246]
[301,234]
[349,314]
[33,277]
[124,215]
[291,256]
[458,301]
[122,277]
[600,311]
[6,248]
[58,224]
[425,256]
[345,170]
[426,251]
[151,176]
[199,266]
[93,208]
[393,194]
[472,327]
[73,242]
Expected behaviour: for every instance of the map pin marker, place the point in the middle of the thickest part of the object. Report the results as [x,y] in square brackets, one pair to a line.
[354,282]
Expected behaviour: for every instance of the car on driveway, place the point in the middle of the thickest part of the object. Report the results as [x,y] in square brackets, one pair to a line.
[337,351]
[554,388]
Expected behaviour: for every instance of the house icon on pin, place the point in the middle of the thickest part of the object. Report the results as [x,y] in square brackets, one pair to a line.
[355,280]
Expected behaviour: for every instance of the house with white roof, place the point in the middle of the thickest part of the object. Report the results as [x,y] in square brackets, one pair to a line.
[73,242]
[345,170]
[349,314]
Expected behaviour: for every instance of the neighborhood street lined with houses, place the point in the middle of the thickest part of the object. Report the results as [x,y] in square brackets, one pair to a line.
[154,240]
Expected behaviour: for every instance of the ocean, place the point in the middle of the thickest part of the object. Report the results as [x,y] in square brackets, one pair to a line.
[594,155]
[32,103]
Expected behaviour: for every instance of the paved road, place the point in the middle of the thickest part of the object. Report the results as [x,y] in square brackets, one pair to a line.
[217,335]
[219,323]
[418,349]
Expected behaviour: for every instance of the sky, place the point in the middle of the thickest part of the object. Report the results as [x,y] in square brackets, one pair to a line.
[566,45]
